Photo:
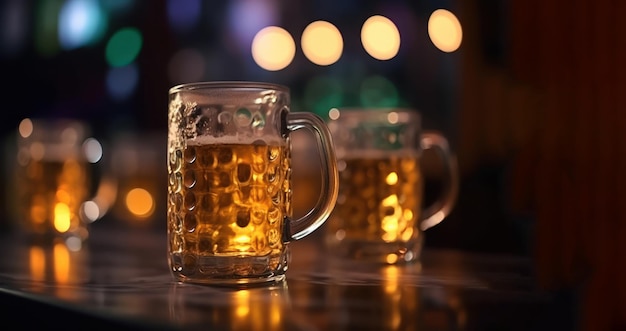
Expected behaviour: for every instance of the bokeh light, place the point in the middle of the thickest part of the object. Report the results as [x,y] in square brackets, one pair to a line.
[25,128]
[323,93]
[392,178]
[13,26]
[62,216]
[322,43]
[91,210]
[444,30]
[183,15]
[380,38]
[123,47]
[186,65]
[93,150]
[247,17]
[378,91]
[46,27]
[81,23]
[140,202]
[121,82]
[334,114]
[273,48]
[118,7]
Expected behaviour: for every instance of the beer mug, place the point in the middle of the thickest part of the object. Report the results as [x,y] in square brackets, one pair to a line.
[379,215]
[55,179]
[229,218]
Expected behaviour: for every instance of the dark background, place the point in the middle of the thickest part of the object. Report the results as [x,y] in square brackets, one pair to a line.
[532,102]
[43,79]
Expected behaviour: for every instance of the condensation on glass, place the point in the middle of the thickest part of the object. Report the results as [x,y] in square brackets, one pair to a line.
[229,218]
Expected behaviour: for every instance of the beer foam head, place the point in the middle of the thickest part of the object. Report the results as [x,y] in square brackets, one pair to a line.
[236,139]
[348,154]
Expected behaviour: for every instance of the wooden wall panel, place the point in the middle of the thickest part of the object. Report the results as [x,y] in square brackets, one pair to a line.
[569,158]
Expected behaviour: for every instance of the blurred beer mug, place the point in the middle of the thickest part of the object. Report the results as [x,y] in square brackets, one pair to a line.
[54,179]
[230,188]
[379,216]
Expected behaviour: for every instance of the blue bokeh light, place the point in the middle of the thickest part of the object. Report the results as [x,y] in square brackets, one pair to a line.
[247,17]
[122,81]
[183,15]
[13,23]
[81,22]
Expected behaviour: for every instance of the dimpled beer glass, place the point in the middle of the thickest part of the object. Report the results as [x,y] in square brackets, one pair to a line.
[229,187]
[379,216]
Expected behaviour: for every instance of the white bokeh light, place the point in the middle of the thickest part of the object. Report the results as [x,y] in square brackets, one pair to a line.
[380,37]
[444,30]
[273,48]
[322,43]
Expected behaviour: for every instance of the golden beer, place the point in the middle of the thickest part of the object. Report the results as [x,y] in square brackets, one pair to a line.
[378,208]
[52,192]
[228,204]
[230,183]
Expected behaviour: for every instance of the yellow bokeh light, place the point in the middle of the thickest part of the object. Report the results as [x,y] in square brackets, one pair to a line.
[392,178]
[407,234]
[322,43]
[407,215]
[273,48]
[391,258]
[140,202]
[380,37]
[445,31]
[390,223]
[62,217]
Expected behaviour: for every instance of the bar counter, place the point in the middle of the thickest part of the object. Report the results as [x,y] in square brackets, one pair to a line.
[120,280]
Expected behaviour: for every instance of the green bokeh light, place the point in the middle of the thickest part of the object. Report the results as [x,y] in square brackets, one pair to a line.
[378,91]
[123,47]
[46,41]
[321,94]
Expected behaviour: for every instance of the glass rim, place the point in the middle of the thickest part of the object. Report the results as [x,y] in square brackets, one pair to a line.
[406,113]
[240,85]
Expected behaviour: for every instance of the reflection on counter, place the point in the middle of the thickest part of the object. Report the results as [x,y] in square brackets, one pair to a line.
[390,300]
[398,302]
[122,276]
[59,265]
[260,308]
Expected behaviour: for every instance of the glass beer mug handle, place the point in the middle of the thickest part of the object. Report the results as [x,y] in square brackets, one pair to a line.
[306,224]
[104,184]
[439,210]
